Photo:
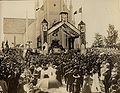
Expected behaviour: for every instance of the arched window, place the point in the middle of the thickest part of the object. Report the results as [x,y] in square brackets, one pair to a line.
[39,44]
[55,34]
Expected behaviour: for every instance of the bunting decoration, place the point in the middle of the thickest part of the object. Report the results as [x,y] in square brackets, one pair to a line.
[75,12]
[80,10]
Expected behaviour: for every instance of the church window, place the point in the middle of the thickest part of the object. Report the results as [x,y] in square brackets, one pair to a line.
[45,36]
[39,42]
[66,40]
[54,5]
[55,34]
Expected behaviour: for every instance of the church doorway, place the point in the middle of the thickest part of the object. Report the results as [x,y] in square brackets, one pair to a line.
[39,44]
[55,47]
[71,42]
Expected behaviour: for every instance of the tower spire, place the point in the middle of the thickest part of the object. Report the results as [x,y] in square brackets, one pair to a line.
[66,3]
[71,10]
[62,5]
[70,4]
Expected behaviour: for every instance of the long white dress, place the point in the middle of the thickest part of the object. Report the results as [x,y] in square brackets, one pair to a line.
[51,72]
[96,84]
[43,72]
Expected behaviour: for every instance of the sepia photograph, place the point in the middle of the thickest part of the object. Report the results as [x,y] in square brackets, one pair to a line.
[59,46]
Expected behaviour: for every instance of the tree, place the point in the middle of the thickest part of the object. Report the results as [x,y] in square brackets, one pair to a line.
[112,37]
[118,45]
[99,42]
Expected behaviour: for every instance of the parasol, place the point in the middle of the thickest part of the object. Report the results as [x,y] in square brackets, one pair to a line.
[48,83]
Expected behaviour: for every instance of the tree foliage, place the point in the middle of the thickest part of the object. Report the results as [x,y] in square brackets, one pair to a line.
[111,39]
[99,42]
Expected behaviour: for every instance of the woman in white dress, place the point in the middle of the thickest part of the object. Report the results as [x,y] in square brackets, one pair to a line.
[96,84]
[50,71]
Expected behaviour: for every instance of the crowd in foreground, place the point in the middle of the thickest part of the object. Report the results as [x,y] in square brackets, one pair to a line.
[97,71]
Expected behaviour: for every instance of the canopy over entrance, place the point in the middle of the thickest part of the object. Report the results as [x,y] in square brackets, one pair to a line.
[67,28]
[65,33]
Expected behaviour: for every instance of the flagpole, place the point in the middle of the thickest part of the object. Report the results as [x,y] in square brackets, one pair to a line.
[80,11]
[74,19]
[14,41]
[26,26]
[81,14]
[66,3]
[74,16]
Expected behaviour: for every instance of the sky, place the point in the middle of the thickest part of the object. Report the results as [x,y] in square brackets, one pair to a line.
[97,14]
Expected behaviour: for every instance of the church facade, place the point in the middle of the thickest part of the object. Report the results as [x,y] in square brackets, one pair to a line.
[54,23]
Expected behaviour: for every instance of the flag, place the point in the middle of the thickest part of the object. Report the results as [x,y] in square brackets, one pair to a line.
[42,8]
[37,5]
[80,10]
[75,12]
[37,9]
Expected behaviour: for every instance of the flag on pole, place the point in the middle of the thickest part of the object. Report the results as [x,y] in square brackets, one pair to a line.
[26,27]
[80,10]
[75,12]
[42,8]
[14,41]
[37,9]
[26,23]
[37,5]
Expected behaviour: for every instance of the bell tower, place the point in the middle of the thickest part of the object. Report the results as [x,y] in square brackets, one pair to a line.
[82,28]
[44,31]
[71,10]
[53,9]
[64,16]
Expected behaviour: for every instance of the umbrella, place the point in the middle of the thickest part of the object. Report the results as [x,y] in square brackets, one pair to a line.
[57,90]
[47,83]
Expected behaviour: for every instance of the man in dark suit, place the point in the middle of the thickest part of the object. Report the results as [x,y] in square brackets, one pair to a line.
[59,75]
[106,80]
[76,84]
[70,81]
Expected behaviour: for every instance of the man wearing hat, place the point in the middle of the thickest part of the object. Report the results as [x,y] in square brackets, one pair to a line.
[107,76]
[70,81]
[3,85]
[76,84]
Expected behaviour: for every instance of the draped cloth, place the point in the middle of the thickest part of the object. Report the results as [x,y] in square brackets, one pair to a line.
[96,84]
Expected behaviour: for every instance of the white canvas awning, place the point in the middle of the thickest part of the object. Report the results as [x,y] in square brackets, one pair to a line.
[70,29]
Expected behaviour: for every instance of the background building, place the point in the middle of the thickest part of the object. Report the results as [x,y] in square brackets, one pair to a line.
[97,18]
[29,30]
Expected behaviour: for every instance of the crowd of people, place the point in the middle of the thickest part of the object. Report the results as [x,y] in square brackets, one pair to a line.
[22,71]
